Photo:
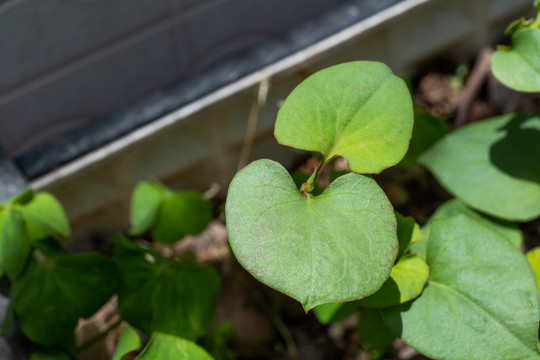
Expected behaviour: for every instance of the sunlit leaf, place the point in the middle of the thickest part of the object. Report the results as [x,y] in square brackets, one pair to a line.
[338,246]
[359,110]
[481,294]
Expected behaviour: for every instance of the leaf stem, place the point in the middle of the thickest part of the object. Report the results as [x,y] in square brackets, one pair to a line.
[98,337]
[308,186]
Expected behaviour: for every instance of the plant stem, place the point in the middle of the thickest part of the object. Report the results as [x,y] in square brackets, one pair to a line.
[98,337]
[308,186]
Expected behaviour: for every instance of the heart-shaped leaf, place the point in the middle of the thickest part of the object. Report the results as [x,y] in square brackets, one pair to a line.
[44,216]
[504,228]
[358,110]
[158,294]
[145,202]
[14,243]
[481,294]
[163,346]
[55,293]
[492,166]
[518,67]
[337,246]
[405,283]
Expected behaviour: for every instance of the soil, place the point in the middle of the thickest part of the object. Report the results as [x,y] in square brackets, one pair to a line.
[272,326]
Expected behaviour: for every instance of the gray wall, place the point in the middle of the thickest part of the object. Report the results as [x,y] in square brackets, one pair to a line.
[64,62]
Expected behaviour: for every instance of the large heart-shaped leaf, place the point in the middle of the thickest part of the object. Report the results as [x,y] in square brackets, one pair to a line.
[55,293]
[44,216]
[337,246]
[164,346]
[481,294]
[518,67]
[158,294]
[504,228]
[405,283]
[492,166]
[358,110]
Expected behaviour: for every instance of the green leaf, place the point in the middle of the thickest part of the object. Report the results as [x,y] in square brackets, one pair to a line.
[492,166]
[428,129]
[158,294]
[55,293]
[372,331]
[536,5]
[504,228]
[408,232]
[180,214]
[44,216]
[359,110]
[481,300]
[163,346]
[14,243]
[127,342]
[335,311]
[518,67]
[145,202]
[405,283]
[338,246]
[534,259]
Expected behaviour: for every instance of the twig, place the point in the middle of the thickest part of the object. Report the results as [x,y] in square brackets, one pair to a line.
[474,83]
[262,95]
[98,337]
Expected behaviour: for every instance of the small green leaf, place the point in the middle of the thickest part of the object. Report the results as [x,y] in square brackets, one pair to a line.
[534,259]
[428,129]
[335,311]
[180,214]
[492,166]
[158,294]
[127,342]
[405,283]
[55,293]
[359,110]
[145,202]
[372,331]
[481,294]
[536,5]
[338,246]
[14,243]
[504,228]
[163,346]
[408,232]
[44,216]
[519,66]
